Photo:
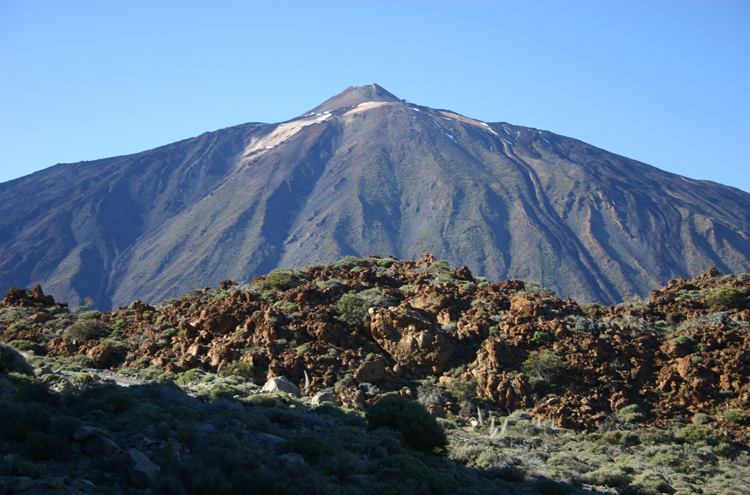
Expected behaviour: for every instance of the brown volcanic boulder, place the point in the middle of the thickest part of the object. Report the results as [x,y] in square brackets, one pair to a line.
[218,324]
[527,304]
[370,371]
[495,354]
[101,355]
[410,339]
[25,298]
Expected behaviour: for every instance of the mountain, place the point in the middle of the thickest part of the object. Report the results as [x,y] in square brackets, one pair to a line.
[366,173]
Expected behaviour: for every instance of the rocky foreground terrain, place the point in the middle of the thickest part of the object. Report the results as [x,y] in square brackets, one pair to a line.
[275,386]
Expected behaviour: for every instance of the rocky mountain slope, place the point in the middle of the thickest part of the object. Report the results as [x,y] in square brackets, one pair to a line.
[516,376]
[365,173]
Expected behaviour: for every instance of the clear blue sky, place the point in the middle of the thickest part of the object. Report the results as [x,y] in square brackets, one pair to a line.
[663,82]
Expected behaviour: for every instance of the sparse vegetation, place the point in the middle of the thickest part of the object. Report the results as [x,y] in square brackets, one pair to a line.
[503,410]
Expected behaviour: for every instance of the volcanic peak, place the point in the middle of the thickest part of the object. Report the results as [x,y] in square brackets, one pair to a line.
[354,95]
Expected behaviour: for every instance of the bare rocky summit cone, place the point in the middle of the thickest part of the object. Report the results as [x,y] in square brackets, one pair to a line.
[365,173]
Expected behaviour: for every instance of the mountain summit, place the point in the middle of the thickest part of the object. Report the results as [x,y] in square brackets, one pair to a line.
[366,173]
[356,95]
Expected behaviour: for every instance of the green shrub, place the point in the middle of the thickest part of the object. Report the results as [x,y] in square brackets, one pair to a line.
[546,486]
[42,446]
[724,298]
[631,414]
[285,306]
[86,330]
[239,368]
[589,308]
[303,349]
[702,419]
[90,315]
[312,448]
[20,326]
[347,263]
[27,346]
[688,343]
[12,361]
[420,430]
[463,390]
[352,308]
[282,279]
[168,333]
[385,262]
[143,361]
[543,364]
[84,361]
[33,470]
[539,385]
[186,378]
[540,338]
[624,438]
[693,434]
[353,311]
[607,475]
[737,416]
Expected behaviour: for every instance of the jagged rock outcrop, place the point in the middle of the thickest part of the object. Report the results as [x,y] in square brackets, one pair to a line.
[684,351]
[410,339]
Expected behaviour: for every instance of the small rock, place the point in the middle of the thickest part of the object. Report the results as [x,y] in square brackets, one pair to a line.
[371,371]
[100,447]
[282,384]
[8,459]
[293,458]
[87,433]
[322,397]
[143,470]
[44,370]
[268,441]
[352,397]
[203,430]
[55,483]
[20,484]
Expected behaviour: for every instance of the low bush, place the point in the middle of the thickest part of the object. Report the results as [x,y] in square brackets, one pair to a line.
[693,434]
[86,330]
[12,361]
[43,446]
[90,315]
[631,414]
[352,308]
[27,346]
[282,279]
[186,378]
[312,448]
[724,298]
[84,361]
[688,343]
[540,338]
[20,326]
[737,416]
[543,364]
[239,368]
[420,430]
